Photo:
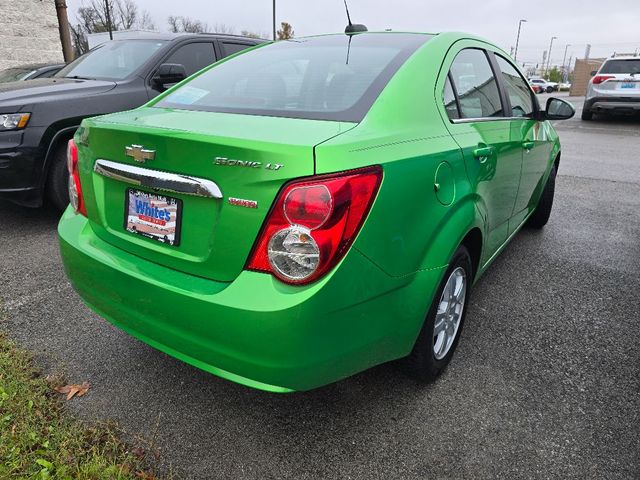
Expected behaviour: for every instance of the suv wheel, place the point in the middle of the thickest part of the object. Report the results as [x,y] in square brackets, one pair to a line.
[57,187]
[440,332]
[586,114]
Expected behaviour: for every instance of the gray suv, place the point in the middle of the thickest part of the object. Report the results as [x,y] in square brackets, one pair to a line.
[615,88]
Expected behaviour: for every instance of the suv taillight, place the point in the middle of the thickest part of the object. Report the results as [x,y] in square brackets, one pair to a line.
[598,79]
[313,223]
[75,189]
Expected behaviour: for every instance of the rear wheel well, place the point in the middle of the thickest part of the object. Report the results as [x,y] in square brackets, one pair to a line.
[473,243]
[61,138]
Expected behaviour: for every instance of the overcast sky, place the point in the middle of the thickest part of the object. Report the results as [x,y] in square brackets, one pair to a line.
[573,22]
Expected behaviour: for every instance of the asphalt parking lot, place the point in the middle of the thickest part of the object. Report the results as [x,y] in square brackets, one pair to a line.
[545,382]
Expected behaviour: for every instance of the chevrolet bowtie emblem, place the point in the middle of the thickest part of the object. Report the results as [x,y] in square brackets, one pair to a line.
[139,153]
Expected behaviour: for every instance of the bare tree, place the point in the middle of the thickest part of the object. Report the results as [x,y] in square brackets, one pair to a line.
[250,34]
[92,18]
[185,24]
[145,22]
[286,32]
[223,28]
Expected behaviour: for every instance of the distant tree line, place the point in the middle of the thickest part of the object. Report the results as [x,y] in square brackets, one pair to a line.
[96,16]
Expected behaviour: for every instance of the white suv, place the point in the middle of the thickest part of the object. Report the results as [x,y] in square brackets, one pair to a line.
[615,88]
[546,86]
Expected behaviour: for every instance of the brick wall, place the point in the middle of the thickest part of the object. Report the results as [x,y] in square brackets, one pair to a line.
[582,75]
[29,33]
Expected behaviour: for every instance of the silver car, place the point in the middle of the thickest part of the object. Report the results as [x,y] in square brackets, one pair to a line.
[615,88]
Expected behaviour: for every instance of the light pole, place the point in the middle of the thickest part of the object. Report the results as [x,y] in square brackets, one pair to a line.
[274,20]
[549,59]
[108,14]
[563,60]
[515,55]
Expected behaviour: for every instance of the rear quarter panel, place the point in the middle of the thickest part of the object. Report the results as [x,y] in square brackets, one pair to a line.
[408,228]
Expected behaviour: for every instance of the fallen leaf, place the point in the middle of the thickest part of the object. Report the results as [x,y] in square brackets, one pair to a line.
[139,452]
[145,476]
[74,390]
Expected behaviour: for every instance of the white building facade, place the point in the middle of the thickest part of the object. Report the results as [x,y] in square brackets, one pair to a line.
[29,33]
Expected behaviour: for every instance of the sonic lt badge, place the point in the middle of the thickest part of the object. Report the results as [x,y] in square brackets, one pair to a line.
[228,162]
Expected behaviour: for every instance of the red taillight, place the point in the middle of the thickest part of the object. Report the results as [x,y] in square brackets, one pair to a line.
[313,223]
[75,189]
[598,79]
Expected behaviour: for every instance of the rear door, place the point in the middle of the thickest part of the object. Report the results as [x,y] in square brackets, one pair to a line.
[492,150]
[536,141]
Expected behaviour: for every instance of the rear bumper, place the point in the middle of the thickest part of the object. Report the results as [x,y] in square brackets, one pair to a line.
[255,330]
[614,104]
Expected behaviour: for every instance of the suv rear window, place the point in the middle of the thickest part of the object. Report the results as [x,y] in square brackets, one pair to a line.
[335,77]
[621,66]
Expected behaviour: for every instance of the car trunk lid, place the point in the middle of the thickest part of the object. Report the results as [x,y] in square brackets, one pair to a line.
[243,159]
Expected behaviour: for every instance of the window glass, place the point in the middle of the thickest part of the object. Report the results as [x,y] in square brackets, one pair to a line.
[334,77]
[621,66]
[231,48]
[194,56]
[517,89]
[113,60]
[449,100]
[476,86]
[14,74]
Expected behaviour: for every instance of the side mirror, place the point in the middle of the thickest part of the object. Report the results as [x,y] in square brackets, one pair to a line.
[168,74]
[558,109]
[593,73]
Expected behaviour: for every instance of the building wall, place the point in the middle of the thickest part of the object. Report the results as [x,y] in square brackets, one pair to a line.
[582,75]
[29,33]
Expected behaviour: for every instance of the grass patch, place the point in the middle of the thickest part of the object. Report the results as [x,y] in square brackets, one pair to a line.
[37,439]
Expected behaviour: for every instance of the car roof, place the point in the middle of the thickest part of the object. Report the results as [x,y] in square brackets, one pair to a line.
[183,36]
[624,56]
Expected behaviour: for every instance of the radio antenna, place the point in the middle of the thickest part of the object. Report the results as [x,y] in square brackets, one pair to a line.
[353,28]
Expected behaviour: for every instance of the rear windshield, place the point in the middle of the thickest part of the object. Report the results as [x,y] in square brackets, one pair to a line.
[336,77]
[621,66]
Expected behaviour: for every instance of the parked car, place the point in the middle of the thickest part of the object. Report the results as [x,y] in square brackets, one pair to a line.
[333,199]
[37,118]
[545,85]
[29,72]
[615,88]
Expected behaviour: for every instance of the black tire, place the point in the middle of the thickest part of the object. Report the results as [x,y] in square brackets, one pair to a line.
[542,212]
[422,363]
[586,114]
[549,89]
[57,187]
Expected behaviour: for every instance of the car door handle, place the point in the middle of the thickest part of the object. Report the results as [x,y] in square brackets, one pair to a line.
[528,145]
[482,153]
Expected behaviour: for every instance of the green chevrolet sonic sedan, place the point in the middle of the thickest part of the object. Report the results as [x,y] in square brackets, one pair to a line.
[301,212]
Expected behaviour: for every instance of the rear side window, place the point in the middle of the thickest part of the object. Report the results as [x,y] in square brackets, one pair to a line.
[621,66]
[449,99]
[194,56]
[517,89]
[334,77]
[231,48]
[476,85]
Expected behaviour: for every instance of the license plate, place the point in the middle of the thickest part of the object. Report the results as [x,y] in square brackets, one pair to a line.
[628,85]
[153,216]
